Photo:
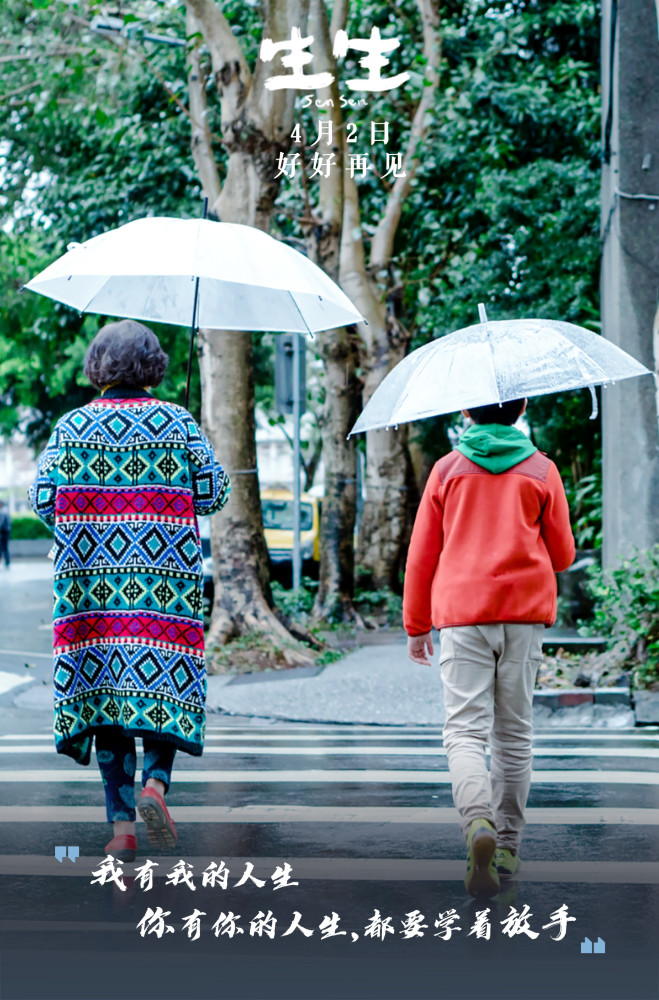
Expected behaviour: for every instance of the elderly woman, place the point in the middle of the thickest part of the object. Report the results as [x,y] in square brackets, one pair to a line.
[121,482]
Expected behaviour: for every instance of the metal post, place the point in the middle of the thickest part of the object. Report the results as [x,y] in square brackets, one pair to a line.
[193,328]
[630,265]
[297,359]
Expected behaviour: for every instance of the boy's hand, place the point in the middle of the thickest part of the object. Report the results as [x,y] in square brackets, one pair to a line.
[416,648]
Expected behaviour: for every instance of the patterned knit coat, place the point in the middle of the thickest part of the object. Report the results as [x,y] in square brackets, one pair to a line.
[121,481]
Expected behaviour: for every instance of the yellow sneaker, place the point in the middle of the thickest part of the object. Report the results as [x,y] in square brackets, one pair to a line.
[508,862]
[482,878]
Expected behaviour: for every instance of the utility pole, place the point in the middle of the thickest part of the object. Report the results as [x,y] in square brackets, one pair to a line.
[630,271]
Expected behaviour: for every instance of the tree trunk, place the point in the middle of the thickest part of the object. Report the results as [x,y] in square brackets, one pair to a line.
[337,560]
[388,465]
[338,351]
[256,126]
[390,485]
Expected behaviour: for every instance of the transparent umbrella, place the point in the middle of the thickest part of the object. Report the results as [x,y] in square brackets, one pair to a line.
[198,272]
[492,362]
[149,270]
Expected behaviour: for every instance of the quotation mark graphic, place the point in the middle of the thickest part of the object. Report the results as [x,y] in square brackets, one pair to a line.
[63,852]
[588,948]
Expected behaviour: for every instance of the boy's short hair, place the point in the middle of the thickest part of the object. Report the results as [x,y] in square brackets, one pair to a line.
[507,413]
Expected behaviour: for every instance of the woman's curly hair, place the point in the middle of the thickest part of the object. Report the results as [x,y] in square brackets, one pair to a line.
[125,353]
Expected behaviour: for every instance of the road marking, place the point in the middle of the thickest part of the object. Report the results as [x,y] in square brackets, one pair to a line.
[9,681]
[625,735]
[383,751]
[331,869]
[629,736]
[281,737]
[23,653]
[383,776]
[29,736]
[261,727]
[577,816]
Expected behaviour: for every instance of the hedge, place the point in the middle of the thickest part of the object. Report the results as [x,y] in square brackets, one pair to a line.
[24,526]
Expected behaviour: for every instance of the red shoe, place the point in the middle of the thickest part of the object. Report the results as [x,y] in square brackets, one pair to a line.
[123,847]
[160,827]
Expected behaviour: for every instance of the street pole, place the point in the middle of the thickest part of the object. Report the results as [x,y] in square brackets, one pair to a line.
[630,271]
[297,361]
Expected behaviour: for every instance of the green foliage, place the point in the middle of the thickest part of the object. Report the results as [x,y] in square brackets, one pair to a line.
[27,527]
[627,613]
[383,602]
[42,345]
[503,209]
[585,501]
[328,656]
[506,210]
[92,134]
[296,604]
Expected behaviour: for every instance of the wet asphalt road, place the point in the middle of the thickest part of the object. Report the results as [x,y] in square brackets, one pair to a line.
[364,817]
[384,838]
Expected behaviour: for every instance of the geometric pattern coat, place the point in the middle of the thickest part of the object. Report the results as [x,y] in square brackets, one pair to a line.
[121,482]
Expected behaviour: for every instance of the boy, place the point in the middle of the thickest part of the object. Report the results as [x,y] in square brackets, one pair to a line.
[492,529]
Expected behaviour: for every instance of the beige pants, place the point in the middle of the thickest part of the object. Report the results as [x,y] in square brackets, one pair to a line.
[488,674]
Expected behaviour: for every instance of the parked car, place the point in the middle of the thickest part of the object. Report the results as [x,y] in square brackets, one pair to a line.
[277,512]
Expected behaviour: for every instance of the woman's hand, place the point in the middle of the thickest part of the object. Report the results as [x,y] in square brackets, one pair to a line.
[416,648]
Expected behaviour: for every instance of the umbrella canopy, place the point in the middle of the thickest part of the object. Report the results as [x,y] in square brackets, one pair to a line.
[148,270]
[492,362]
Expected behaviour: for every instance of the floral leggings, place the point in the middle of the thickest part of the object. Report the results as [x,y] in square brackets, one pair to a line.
[117,762]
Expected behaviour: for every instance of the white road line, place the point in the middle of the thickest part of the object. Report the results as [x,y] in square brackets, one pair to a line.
[9,681]
[331,869]
[28,736]
[266,777]
[261,728]
[383,751]
[27,655]
[411,737]
[624,737]
[577,816]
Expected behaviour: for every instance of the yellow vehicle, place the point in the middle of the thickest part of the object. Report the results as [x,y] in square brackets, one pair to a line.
[277,510]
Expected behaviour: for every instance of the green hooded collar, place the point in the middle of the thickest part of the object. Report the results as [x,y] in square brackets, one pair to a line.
[495,447]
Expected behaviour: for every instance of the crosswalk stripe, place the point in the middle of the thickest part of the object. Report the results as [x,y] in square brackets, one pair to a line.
[628,736]
[385,739]
[415,737]
[438,777]
[348,869]
[24,655]
[333,814]
[8,681]
[367,751]
[350,732]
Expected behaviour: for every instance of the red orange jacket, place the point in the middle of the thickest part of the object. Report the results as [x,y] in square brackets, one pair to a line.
[486,546]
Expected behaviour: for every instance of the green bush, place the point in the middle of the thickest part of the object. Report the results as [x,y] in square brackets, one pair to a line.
[25,526]
[296,604]
[585,500]
[627,612]
[383,602]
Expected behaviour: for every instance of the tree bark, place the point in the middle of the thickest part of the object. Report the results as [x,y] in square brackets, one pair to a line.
[390,485]
[256,126]
[387,462]
[337,348]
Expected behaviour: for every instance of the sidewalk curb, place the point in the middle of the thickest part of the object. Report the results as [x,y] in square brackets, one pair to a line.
[555,698]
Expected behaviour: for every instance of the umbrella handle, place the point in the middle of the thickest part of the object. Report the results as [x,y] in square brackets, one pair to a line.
[193,329]
[593,396]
